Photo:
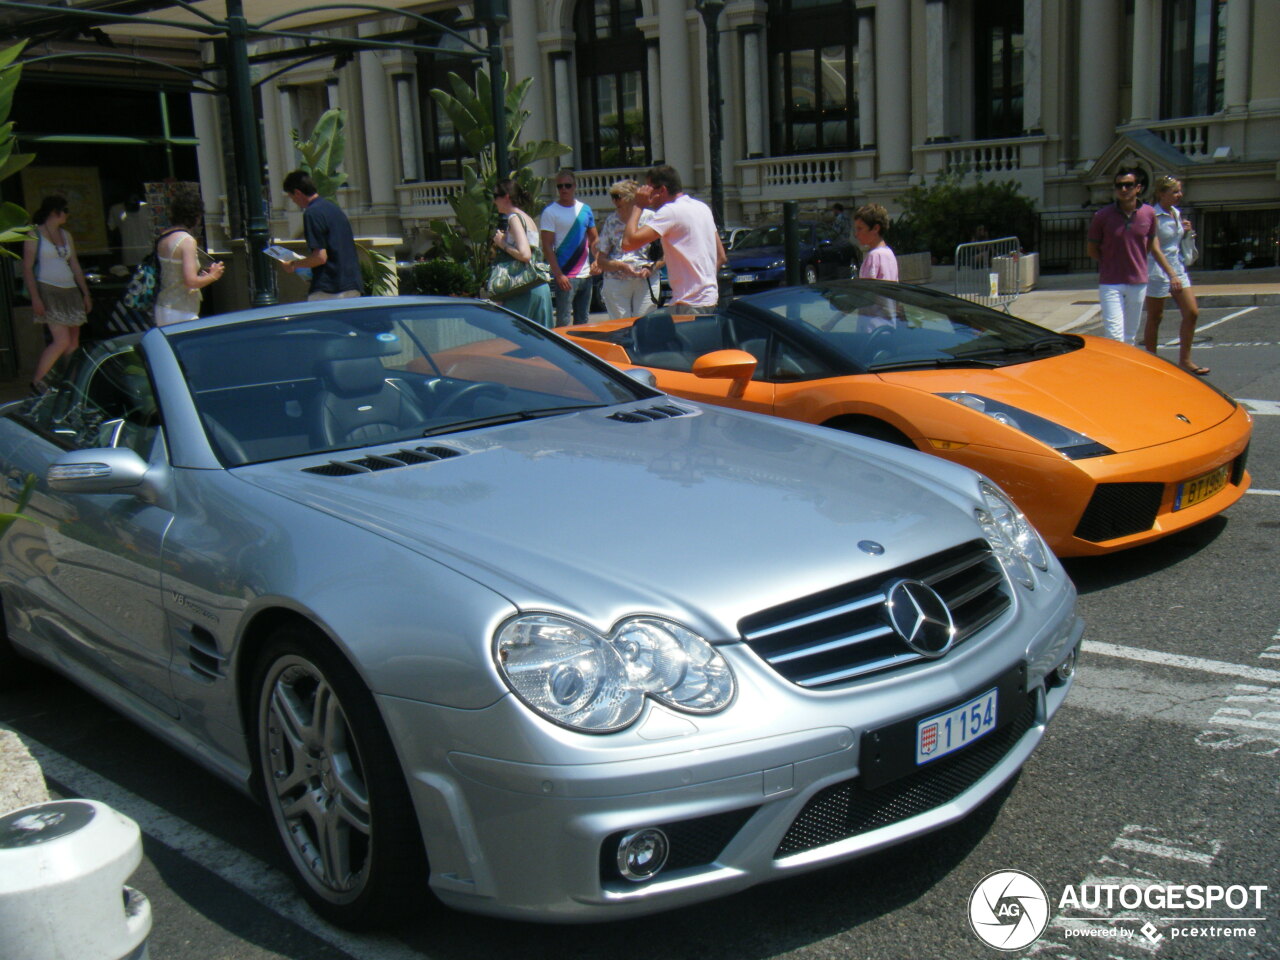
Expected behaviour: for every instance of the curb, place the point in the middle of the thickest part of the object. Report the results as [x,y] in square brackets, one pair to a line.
[22,781]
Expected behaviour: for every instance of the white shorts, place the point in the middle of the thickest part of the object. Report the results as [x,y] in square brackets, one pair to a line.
[1158,283]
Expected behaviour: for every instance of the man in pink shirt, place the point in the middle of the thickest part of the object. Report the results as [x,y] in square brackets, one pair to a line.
[690,241]
[1120,237]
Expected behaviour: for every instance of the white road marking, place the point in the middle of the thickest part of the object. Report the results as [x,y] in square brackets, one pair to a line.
[1167,850]
[260,881]
[1264,493]
[1178,660]
[1230,316]
[1261,408]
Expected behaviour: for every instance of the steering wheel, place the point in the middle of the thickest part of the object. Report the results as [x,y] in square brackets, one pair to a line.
[470,391]
[869,348]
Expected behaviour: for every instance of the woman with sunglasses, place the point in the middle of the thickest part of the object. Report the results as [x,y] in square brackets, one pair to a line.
[1120,237]
[630,278]
[59,292]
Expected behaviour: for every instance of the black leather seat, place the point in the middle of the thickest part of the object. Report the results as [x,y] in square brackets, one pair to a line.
[360,402]
[656,344]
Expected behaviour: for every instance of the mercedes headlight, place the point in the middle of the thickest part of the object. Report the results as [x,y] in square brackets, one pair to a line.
[582,679]
[1072,445]
[1011,536]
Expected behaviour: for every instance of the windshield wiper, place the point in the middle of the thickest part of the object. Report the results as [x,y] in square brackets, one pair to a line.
[929,363]
[500,418]
[1043,344]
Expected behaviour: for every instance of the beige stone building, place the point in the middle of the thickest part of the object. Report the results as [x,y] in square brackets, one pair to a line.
[826,101]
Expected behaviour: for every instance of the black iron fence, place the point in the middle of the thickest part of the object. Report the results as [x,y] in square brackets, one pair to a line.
[1228,239]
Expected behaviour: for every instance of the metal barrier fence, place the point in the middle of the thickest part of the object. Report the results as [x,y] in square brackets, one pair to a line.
[987,272]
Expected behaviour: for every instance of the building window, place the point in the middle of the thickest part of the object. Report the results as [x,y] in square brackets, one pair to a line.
[443,148]
[612,84]
[997,81]
[813,80]
[1193,38]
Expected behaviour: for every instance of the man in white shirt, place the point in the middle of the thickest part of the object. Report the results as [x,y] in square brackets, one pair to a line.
[690,241]
[568,231]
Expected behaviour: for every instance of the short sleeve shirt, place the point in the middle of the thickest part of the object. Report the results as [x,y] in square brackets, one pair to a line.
[879,264]
[690,248]
[571,226]
[1123,242]
[327,228]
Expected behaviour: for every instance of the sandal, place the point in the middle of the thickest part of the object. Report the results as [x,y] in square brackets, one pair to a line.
[1198,370]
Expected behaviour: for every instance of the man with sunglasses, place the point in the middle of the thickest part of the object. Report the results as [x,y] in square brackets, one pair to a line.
[568,231]
[1120,236]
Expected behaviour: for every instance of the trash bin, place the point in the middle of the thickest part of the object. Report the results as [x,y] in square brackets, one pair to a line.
[63,867]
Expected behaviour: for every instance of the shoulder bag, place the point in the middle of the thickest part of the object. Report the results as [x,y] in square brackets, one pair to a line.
[509,277]
[1187,249]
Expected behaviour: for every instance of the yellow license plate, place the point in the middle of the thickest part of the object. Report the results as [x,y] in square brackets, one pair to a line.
[1201,488]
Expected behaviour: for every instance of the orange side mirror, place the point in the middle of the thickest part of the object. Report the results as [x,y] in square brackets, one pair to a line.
[725,365]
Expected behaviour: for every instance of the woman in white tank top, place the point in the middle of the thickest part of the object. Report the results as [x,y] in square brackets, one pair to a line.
[59,293]
[181,276]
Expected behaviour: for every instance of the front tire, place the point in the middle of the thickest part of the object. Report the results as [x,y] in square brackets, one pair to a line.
[333,783]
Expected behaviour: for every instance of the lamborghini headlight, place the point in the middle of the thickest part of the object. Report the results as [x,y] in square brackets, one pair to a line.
[1011,536]
[1072,445]
[580,678]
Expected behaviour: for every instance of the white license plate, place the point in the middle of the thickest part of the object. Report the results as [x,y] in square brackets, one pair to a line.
[952,729]
[745,278]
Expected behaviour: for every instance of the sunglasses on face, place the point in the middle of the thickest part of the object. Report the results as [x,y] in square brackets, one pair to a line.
[564,186]
[1125,185]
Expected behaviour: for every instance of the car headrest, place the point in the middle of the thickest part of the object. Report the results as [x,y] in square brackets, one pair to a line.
[354,377]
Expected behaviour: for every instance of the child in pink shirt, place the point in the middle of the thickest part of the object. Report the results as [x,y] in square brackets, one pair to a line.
[869,225]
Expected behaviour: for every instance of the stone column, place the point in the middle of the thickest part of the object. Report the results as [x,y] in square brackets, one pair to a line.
[526,61]
[407,116]
[279,163]
[1099,58]
[866,79]
[564,82]
[678,89]
[1146,61]
[1235,85]
[657,143]
[893,90]
[288,123]
[204,113]
[752,92]
[935,28]
[331,93]
[377,128]
[1033,66]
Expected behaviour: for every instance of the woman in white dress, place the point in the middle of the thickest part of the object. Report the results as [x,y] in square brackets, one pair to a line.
[181,276]
[1171,227]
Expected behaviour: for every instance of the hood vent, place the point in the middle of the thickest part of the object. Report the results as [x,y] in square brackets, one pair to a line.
[383,461]
[663,411]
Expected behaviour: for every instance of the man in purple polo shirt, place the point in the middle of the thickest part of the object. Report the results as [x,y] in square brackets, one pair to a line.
[1120,236]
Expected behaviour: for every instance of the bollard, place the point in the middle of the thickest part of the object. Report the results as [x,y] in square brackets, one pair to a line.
[63,867]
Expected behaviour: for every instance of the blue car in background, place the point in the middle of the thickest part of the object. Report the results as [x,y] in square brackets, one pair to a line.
[758,258]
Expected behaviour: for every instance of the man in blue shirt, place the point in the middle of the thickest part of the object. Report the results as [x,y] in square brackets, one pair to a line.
[335,269]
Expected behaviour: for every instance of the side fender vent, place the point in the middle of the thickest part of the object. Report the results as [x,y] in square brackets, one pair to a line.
[383,461]
[662,411]
[203,657]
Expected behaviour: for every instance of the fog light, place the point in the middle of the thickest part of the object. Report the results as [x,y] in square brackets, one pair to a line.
[642,853]
[1067,667]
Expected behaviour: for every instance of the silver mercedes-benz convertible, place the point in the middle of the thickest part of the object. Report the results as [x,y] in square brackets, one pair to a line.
[466,606]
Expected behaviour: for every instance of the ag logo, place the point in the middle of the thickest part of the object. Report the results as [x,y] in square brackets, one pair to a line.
[1008,910]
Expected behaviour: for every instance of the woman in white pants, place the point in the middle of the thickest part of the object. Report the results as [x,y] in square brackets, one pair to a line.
[630,279]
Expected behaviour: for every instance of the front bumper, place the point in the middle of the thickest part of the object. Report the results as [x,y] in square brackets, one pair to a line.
[536,840]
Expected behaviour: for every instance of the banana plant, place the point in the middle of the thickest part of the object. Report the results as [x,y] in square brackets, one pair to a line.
[322,154]
[466,239]
[24,497]
[14,223]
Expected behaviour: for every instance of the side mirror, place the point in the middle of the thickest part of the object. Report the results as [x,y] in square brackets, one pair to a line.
[725,364]
[116,470]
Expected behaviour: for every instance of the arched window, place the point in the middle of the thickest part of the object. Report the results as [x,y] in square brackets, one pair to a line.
[813,76]
[613,88]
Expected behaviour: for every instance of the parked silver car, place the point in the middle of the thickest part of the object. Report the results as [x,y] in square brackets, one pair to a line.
[442,588]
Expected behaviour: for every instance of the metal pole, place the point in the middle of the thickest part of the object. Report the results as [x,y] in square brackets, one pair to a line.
[498,91]
[791,241]
[244,131]
[710,10]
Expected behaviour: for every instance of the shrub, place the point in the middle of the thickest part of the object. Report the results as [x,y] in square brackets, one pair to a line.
[443,277]
[940,217]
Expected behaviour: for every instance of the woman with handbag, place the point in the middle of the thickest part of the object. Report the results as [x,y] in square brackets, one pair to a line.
[1178,242]
[59,292]
[181,276]
[519,278]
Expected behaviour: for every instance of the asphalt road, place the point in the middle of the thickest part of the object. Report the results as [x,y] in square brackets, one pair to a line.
[1162,768]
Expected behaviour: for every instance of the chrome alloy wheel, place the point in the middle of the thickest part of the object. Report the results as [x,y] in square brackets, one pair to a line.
[314,779]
